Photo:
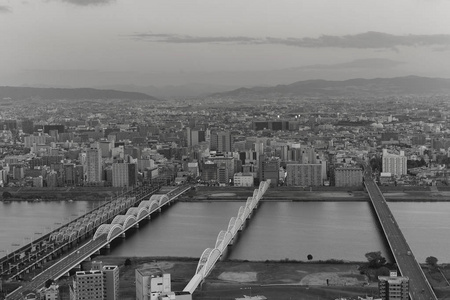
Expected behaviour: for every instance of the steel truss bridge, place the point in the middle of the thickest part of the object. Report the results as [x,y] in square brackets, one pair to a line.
[226,237]
[84,237]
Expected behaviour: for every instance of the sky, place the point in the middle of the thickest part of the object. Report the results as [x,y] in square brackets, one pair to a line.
[79,43]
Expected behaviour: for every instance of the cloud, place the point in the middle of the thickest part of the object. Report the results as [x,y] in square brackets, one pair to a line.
[88,2]
[5,9]
[367,40]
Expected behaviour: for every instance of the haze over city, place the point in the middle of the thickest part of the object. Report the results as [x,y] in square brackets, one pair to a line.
[105,43]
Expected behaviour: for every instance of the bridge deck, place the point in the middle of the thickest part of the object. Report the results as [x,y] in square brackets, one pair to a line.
[419,286]
[76,256]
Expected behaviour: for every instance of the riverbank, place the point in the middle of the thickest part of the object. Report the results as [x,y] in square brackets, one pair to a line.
[319,194]
[322,194]
[273,279]
[58,194]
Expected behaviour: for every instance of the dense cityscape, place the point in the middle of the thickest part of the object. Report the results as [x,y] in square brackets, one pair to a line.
[224,150]
[293,142]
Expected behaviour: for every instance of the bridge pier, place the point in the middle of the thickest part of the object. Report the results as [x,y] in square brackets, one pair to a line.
[123,235]
[108,246]
[136,225]
[149,217]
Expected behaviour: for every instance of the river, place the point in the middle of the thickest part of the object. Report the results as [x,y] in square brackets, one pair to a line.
[277,230]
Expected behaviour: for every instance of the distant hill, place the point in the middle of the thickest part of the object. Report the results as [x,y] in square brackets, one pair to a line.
[353,87]
[22,93]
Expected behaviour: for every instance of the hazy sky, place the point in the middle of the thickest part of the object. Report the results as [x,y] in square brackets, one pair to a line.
[145,42]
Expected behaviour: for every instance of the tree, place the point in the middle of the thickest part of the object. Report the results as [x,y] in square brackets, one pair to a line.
[310,257]
[375,259]
[6,195]
[431,260]
[48,283]
[127,262]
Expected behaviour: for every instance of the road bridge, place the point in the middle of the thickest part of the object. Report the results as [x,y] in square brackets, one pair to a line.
[210,256]
[419,287]
[102,237]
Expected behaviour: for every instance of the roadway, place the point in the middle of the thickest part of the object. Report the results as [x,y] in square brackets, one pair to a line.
[419,286]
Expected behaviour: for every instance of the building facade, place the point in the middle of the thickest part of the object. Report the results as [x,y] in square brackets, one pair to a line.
[394,164]
[348,176]
[304,175]
[393,287]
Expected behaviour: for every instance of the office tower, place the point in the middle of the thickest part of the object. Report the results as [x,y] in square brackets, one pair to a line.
[221,141]
[394,164]
[304,175]
[194,136]
[393,287]
[93,165]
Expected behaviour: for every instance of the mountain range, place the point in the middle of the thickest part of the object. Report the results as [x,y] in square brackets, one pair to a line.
[351,88]
[23,93]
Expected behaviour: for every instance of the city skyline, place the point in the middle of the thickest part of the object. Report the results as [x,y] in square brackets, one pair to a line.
[77,43]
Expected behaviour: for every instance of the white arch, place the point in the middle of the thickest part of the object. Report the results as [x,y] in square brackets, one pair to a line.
[111,230]
[223,239]
[145,203]
[231,223]
[220,238]
[161,198]
[139,213]
[213,256]
[124,220]
[203,260]
[154,205]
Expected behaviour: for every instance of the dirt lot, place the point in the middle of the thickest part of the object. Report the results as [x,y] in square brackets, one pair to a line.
[229,280]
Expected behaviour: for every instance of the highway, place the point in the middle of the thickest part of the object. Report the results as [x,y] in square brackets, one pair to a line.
[419,286]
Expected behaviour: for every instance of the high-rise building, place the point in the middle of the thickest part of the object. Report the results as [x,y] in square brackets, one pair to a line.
[209,171]
[224,162]
[89,285]
[394,164]
[348,176]
[221,141]
[304,175]
[269,169]
[393,287]
[111,282]
[93,165]
[101,282]
[124,174]
[194,136]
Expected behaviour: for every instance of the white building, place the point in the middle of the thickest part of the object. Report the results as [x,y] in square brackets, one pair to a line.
[394,164]
[50,293]
[243,179]
[151,284]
